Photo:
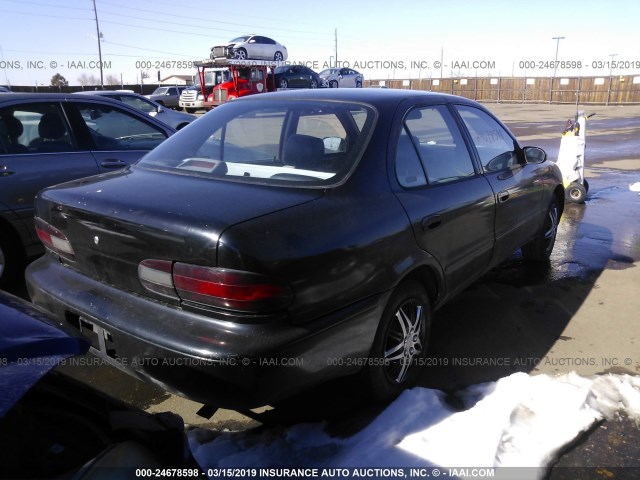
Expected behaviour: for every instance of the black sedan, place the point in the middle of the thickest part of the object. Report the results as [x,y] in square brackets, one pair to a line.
[291,238]
[297,76]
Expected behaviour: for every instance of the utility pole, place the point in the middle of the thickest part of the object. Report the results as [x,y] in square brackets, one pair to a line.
[95,11]
[555,66]
[612,55]
[335,33]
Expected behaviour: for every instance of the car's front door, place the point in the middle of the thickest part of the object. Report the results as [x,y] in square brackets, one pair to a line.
[119,138]
[517,188]
[450,205]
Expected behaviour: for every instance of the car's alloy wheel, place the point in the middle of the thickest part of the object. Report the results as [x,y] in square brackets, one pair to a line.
[278,57]
[314,83]
[358,84]
[540,248]
[333,84]
[284,83]
[241,54]
[400,343]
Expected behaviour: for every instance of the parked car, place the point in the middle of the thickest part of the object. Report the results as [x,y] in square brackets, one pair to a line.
[251,46]
[291,238]
[174,119]
[52,138]
[166,96]
[342,77]
[52,426]
[297,76]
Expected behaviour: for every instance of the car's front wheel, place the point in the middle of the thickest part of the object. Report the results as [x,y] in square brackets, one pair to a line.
[278,57]
[540,248]
[400,342]
[284,83]
[333,84]
[241,54]
[314,83]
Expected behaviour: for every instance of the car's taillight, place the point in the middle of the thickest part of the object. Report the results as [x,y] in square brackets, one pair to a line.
[54,239]
[217,287]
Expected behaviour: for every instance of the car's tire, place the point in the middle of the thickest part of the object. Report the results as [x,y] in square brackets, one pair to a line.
[576,193]
[278,56]
[241,54]
[190,110]
[10,260]
[313,83]
[283,83]
[539,249]
[358,84]
[400,342]
[333,84]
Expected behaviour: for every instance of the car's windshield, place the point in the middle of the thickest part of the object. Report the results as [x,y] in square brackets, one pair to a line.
[160,91]
[330,71]
[240,39]
[294,142]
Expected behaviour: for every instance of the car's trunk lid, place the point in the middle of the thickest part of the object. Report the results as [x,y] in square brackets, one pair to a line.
[115,221]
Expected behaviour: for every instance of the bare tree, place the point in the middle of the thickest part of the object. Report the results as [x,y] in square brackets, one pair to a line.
[111,79]
[88,79]
[59,81]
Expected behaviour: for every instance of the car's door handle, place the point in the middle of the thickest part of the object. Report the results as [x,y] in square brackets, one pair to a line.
[431,222]
[113,163]
[5,172]
[503,196]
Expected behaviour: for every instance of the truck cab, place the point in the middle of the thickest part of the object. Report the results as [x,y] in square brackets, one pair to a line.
[194,98]
[246,77]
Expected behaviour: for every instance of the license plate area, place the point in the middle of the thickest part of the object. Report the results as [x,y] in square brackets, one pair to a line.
[100,338]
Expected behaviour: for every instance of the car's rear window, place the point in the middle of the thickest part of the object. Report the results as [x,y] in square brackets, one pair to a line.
[294,142]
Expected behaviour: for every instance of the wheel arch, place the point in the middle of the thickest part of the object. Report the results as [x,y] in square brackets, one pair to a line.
[429,279]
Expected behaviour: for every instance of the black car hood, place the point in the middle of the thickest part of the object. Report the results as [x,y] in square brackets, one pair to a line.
[31,344]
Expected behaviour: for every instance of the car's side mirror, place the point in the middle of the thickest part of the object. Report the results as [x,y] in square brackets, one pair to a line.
[534,154]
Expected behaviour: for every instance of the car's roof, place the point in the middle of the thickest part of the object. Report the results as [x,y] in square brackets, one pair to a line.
[373,96]
[57,97]
[106,93]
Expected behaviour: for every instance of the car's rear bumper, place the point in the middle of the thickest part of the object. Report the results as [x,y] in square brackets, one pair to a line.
[212,360]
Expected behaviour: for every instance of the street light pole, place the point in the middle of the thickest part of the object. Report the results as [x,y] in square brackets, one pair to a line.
[95,11]
[555,65]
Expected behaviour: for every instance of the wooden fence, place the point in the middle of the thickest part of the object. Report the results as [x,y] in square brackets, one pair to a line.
[615,90]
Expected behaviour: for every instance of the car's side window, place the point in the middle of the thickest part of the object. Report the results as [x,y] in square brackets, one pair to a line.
[35,128]
[409,170]
[496,149]
[439,144]
[138,103]
[115,129]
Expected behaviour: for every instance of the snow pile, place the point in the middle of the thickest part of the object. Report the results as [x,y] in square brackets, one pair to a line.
[635,187]
[518,421]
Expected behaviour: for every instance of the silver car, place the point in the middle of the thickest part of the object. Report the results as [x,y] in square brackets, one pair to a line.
[251,47]
[166,96]
[342,77]
[170,117]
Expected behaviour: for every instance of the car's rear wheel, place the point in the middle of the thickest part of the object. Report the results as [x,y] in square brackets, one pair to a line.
[241,54]
[283,83]
[576,193]
[314,83]
[540,248]
[400,342]
[278,57]
[358,84]
[333,84]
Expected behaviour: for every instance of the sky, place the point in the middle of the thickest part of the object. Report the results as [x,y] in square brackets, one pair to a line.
[520,422]
[381,39]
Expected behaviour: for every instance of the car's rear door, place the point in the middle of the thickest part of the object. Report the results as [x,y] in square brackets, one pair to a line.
[449,203]
[44,151]
[518,190]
